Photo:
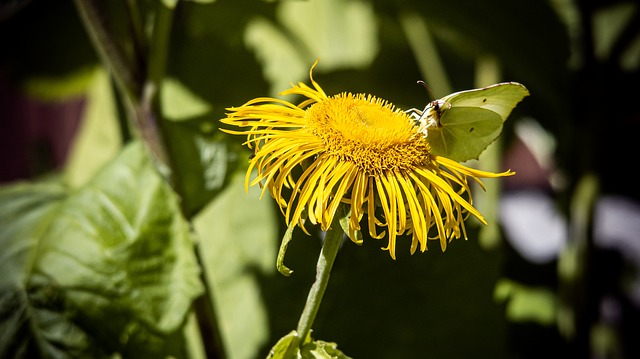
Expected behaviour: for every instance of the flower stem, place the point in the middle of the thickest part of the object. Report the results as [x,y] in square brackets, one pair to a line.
[327,256]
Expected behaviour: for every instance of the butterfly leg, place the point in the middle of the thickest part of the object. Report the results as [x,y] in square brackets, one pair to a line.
[414,113]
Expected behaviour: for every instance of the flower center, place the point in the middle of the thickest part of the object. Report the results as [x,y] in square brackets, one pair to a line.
[368,132]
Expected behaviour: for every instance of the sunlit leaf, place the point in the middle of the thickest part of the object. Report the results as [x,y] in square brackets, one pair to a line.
[608,23]
[342,33]
[50,88]
[282,63]
[310,349]
[288,236]
[169,3]
[319,349]
[180,103]
[115,252]
[345,217]
[283,348]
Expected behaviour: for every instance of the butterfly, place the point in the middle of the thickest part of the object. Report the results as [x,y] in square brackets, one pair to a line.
[460,126]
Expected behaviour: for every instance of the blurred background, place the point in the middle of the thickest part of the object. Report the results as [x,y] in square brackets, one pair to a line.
[554,274]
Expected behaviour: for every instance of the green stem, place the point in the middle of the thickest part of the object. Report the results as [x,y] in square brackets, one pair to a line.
[327,256]
[128,77]
[159,46]
[112,55]
[140,47]
[149,111]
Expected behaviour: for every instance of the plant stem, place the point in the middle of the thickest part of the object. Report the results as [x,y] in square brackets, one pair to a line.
[159,45]
[135,26]
[149,110]
[127,77]
[327,256]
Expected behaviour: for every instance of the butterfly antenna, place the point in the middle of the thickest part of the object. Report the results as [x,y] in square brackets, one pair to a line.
[427,87]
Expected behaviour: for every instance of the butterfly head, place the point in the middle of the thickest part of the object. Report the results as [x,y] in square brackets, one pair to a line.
[429,117]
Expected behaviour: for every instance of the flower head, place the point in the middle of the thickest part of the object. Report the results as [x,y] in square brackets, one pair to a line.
[361,152]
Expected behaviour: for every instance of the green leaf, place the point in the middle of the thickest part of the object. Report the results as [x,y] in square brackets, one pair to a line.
[321,25]
[319,349]
[202,159]
[116,252]
[284,244]
[203,162]
[308,30]
[526,304]
[288,236]
[238,239]
[180,103]
[461,125]
[281,61]
[310,349]
[60,88]
[344,213]
[283,348]
[171,4]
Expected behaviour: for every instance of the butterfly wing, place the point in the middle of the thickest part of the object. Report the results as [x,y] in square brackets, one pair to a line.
[474,120]
[464,133]
[500,98]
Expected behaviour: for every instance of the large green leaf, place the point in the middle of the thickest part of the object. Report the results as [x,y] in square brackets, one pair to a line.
[108,268]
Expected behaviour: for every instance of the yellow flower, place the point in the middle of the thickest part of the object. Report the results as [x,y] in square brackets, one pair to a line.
[359,151]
